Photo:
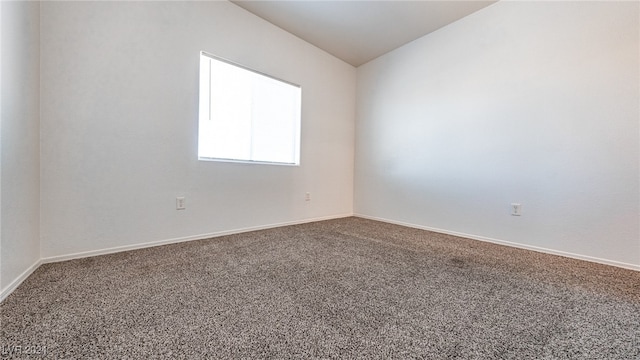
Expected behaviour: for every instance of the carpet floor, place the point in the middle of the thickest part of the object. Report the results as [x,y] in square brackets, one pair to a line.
[345,289]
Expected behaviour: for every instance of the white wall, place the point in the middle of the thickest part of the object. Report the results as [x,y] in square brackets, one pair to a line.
[119,126]
[529,102]
[521,102]
[20,185]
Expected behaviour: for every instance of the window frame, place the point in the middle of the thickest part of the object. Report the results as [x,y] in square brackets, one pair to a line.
[298,126]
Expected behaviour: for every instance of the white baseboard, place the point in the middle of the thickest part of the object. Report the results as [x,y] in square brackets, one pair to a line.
[117,249]
[508,243]
[17,281]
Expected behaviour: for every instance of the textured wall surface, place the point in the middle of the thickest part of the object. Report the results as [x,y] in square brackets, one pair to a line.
[20,219]
[527,102]
[119,126]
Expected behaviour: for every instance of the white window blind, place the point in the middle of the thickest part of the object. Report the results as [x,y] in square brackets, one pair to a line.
[246,115]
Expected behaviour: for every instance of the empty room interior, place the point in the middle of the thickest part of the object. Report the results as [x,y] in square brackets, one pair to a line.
[458,179]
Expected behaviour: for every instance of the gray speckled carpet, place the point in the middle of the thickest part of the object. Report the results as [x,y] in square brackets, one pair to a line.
[346,288]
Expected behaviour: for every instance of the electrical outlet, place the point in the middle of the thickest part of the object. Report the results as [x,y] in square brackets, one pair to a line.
[180,203]
[307,197]
[516,209]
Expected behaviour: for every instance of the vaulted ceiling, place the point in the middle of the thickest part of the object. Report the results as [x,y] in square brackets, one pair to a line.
[358,31]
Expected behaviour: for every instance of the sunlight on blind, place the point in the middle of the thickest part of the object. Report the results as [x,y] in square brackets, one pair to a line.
[247,116]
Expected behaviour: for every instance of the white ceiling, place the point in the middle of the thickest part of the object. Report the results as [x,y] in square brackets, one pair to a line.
[358,31]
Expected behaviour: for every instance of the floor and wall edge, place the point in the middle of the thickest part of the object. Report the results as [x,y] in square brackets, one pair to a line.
[15,283]
[508,243]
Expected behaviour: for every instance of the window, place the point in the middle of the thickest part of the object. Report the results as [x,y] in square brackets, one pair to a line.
[247,116]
